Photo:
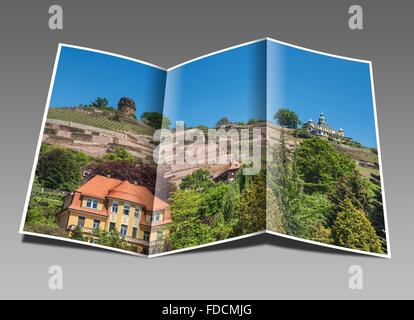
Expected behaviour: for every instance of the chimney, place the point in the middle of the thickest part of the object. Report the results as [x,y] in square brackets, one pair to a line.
[108,175]
[135,183]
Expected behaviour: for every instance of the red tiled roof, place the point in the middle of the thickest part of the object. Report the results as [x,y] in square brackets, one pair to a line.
[77,205]
[102,187]
[231,166]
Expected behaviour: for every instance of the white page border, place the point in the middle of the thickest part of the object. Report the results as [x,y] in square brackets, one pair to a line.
[21,228]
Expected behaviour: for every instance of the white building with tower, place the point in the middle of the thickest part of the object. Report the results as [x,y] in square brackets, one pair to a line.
[321,128]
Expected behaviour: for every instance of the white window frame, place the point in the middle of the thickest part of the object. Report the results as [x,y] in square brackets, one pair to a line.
[156,216]
[84,220]
[109,227]
[86,173]
[126,205]
[114,204]
[136,212]
[126,230]
[91,202]
[99,224]
[158,234]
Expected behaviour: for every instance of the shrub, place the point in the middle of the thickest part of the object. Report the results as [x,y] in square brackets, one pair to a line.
[46,229]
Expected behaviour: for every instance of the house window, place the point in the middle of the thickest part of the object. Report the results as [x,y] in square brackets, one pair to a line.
[81,222]
[86,173]
[111,226]
[134,233]
[114,208]
[92,203]
[96,223]
[159,235]
[127,208]
[136,213]
[146,236]
[124,229]
[156,217]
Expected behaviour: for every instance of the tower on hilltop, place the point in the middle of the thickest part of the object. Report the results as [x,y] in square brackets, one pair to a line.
[126,105]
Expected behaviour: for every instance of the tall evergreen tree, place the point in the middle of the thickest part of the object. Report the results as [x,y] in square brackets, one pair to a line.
[282,180]
[252,208]
[353,230]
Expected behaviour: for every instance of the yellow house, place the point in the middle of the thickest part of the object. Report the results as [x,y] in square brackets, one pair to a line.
[110,204]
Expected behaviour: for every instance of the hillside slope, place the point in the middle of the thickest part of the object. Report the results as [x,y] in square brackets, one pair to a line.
[95,134]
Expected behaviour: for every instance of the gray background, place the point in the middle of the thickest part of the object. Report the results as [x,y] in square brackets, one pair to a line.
[167,33]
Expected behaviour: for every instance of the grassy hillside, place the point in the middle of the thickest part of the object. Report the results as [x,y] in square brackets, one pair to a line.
[365,157]
[76,115]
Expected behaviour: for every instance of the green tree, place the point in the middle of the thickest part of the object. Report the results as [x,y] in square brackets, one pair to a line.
[287,118]
[100,103]
[365,196]
[274,215]
[320,165]
[212,200]
[353,230]
[230,203]
[376,214]
[119,154]
[111,239]
[283,182]
[155,120]
[194,235]
[59,168]
[184,208]
[252,208]
[115,240]
[199,179]
[77,234]
[308,217]
[43,206]
[222,121]
[355,187]
[187,228]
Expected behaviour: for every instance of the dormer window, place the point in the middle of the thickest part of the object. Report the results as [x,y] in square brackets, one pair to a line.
[91,203]
[156,217]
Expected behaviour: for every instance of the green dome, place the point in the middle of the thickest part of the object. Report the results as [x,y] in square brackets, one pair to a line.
[322,119]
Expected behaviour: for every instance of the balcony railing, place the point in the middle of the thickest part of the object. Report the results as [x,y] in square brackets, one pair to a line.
[136,240]
[157,242]
[129,239]
[145,242]
[84,229]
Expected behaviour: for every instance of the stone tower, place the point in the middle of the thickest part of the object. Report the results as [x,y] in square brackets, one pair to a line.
[126,105]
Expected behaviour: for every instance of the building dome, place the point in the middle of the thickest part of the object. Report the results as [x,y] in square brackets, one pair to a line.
[310,120]
[341,130]
[322,119]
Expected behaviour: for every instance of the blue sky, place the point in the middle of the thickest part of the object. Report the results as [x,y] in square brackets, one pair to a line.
[309,83]
[229,84]
[83,75]
[237,84]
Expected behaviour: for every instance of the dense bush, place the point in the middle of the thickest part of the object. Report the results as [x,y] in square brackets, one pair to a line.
[46,229]
[60,168]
